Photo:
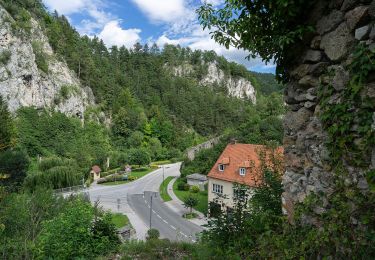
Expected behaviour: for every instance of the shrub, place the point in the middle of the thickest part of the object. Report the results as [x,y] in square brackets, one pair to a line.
[194,189]
[181,186]
[40,57]
[5,56]
[186,187]
[153,234]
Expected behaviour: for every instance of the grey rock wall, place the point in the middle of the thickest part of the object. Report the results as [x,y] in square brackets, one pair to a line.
[341,27]
[23,84]
[237,86]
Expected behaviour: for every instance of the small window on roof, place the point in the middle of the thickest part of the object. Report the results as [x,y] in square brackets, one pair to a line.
[242,171]
[221,167]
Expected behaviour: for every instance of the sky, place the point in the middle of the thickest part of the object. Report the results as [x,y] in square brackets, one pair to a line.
[125,22]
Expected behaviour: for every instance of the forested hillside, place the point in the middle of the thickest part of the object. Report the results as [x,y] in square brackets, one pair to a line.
[141,104]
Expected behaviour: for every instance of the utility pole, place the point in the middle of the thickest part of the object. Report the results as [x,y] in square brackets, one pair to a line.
[150,210]
[163,173]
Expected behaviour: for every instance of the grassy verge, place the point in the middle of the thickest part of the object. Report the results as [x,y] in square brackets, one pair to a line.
[163,190]
[119,220]
[201,196]
[161,162]
[136,173]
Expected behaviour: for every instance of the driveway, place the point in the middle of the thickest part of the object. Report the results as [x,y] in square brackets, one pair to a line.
[134,200]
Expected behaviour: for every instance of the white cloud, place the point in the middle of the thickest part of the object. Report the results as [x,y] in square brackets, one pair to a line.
[66,6]
[213,2]
[163,10]
[201,40]
[113,34]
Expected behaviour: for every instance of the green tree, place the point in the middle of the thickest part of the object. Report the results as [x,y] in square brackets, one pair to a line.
[13,168]
[7,128]
[257,27]
[190,201]
[139,156]
[78,231]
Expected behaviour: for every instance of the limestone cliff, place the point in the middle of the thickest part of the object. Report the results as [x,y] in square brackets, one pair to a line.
[31,75]
[236,86]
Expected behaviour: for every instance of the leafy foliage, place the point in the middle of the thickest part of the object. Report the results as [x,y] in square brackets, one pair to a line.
[79,230]
[13,168]
[338,118]
[5,56]
[153,234]
[190,201]
[40,57]
[7,127]
[257,27]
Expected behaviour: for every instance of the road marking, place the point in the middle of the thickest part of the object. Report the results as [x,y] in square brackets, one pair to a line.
[173,227]
[193,240]
[158,216]
[165,221]
[148,206]
[153,211]
[145,201]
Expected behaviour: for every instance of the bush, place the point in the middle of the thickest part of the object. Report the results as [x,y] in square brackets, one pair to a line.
[153,234]
[194,189]
[5,56]
[40,57]
[181,186]
[186,187]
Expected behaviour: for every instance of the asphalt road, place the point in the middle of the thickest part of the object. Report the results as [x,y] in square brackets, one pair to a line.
[134,198]
[169,224]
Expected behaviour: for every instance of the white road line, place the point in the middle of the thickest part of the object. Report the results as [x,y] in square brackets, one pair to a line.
[148,206]
[145,201]
[153,211]
[158,216]
[193,240]
[165,221]
[173,227]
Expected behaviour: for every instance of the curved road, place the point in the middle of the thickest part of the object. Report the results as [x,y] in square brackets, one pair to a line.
[134,200]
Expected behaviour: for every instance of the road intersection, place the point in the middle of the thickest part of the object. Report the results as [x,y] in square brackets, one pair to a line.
[134,200]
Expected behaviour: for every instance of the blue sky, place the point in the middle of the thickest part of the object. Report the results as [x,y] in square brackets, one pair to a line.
[125,22]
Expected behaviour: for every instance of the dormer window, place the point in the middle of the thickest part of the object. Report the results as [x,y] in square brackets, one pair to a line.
[242,171]
[221,167]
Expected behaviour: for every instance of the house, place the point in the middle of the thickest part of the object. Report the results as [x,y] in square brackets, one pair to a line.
[197,179]
[240,164]
[95,172]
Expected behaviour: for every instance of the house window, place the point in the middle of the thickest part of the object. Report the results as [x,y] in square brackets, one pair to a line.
[242,171]
[221,167]
[216,188]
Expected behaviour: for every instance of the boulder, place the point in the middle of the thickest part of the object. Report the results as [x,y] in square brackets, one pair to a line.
[356,16]
[329,22]
[341,77]
[312,56]
[362,33]
[337,43]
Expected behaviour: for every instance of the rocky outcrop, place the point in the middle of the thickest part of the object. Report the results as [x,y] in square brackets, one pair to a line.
[342,26]
[24,84]
[236,86]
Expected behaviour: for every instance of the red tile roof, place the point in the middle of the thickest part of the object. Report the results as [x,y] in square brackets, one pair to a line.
[250,156]
[96,169]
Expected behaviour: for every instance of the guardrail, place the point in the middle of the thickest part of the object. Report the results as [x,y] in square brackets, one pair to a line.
[70,189]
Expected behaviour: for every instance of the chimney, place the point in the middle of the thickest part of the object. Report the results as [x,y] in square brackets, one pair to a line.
[233,141]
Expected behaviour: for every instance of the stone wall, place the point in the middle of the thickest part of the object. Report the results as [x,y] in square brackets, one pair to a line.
[340,25]
[192,151]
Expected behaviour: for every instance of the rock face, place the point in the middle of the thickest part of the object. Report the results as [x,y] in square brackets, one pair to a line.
[338,31]
[237,86]
[23,84]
